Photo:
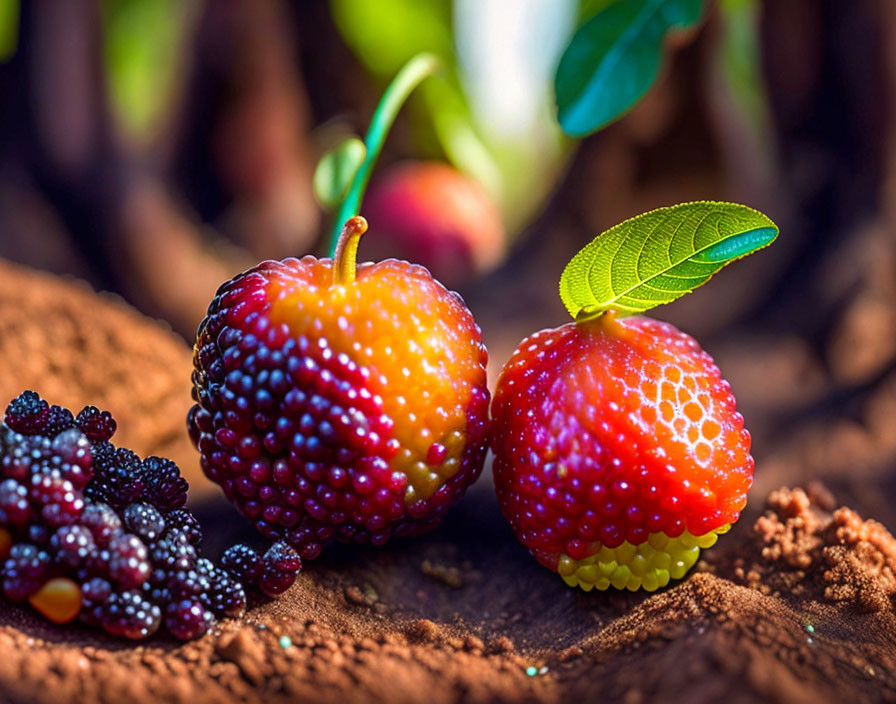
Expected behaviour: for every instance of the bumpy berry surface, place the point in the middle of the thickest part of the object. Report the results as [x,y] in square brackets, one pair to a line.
[97,425]
[187,618]
[26,412]
[354,412]
[617,445]
[279,567]
[91,531]
[242,563]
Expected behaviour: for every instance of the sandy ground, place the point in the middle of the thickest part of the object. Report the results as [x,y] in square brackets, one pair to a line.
[796,604]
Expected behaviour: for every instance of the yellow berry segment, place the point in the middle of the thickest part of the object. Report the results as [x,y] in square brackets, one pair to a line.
[59,600]
[649,565]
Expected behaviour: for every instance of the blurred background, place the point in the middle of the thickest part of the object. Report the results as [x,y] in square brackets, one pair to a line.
[155,148]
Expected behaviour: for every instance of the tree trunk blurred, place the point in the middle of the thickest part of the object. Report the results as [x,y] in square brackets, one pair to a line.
[93,204]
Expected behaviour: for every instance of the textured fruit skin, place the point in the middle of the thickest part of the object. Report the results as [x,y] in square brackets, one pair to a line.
[612,433]
[356,411]
[649,566]
[434,215]
[71,555]
[242,563]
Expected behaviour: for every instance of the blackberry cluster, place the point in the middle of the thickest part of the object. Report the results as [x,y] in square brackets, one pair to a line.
[90,531]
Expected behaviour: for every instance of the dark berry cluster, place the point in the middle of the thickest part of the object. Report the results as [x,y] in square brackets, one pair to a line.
[90,531]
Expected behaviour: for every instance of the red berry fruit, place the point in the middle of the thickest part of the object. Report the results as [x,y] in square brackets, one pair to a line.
[442,219]
[618,451]
[336,401]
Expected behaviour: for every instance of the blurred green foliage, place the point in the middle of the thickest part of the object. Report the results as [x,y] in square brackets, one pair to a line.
[336,170]
[384,34]
[740,57]
[738,64]
[387,33]
[9,28]
[142,49]
[613,59]
[589,8]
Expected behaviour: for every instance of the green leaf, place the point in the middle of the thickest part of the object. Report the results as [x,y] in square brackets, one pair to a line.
[659,256]
[613,59]
[335,171]
[589,8]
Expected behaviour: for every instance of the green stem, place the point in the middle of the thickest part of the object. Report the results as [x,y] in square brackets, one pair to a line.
[408,78]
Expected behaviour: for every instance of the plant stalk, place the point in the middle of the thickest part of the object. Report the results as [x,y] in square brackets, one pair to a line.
[408,78]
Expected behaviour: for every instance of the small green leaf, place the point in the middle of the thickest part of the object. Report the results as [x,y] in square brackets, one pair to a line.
[613,59]
[659,256]
[335,171]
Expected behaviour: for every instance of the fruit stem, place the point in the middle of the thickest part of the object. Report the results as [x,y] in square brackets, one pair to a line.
[607,320]
[345,258]
[408,78]
[587,315]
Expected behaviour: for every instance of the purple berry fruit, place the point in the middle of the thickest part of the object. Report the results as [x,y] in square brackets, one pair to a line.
[187,619]
[97,425]
[242,563]
[95,533]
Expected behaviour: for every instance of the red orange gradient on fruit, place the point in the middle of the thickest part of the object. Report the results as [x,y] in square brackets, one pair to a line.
[612,431]
[352,408]
[414,346]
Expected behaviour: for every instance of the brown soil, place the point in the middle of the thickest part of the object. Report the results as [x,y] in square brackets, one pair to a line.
[77,348]
[795,605]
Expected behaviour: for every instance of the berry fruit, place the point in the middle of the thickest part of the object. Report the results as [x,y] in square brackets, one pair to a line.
[279,568]
[441,218]
[89,531]
[619,452]
[187,618]
[335,401]
[97,425]
[130,615]
[242,563]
